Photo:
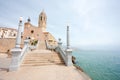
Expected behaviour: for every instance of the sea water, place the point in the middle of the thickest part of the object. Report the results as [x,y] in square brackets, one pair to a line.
[99,65]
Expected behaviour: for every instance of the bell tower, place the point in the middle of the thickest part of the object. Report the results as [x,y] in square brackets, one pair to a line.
[42,21]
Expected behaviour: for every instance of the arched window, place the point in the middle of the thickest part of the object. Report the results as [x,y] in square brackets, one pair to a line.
[41,17]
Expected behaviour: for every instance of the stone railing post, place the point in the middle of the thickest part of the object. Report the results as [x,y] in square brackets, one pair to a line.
[15,59]
[68,50]
[26,43]
[69,57]
[16,52]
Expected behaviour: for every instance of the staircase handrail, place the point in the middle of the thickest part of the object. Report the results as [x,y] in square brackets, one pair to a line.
[62,53]
[18,56]
[24,51]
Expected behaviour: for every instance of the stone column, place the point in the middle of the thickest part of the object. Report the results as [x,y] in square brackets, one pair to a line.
[68,50]
[16,52]
[26,43]
[15,59]
[18,39]
[68,43]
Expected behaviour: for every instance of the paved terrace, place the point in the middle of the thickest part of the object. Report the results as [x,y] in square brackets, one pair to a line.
[47,72]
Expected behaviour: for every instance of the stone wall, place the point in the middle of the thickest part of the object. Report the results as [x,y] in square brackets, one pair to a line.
[7,44]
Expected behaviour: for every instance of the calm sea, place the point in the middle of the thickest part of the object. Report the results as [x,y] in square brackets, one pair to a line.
[99,65]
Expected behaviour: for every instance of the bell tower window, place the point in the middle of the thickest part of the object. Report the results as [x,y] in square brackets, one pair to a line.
[41,18]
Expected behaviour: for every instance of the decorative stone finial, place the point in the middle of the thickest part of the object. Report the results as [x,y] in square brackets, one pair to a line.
[28,19]
[59,42]
[59,39]
[20,19]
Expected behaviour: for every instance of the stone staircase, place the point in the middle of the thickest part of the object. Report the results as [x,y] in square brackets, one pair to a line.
[41,45]
[42,58]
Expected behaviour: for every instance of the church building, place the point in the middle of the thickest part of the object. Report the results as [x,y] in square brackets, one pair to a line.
[34,33]
[38,32]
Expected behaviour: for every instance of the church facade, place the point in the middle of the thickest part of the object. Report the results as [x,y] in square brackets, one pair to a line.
[38,32]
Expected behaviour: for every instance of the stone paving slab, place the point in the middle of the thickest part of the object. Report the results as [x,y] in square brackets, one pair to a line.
[50,72]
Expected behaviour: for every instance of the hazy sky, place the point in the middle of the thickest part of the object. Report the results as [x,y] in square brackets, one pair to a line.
[92,22]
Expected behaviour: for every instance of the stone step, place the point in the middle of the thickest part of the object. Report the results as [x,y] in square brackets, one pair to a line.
[38,59]
[43,53]
[44,61]
[37,62]
[50,53]
[34,59]
[41,64]
[42,58]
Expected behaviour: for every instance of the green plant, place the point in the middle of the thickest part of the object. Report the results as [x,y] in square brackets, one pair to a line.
[34,42]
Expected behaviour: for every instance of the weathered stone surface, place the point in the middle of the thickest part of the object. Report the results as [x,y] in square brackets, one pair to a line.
[7,32]
[7,44]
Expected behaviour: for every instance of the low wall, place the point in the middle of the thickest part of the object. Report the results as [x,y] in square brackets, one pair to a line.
[7,44]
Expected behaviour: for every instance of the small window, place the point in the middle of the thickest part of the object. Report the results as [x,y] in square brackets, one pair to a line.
[32,31]
[29,38]
[14,35]
[21,36]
